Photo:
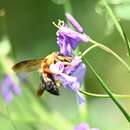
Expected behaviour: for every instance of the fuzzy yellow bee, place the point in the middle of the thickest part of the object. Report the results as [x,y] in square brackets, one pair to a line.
[48,83]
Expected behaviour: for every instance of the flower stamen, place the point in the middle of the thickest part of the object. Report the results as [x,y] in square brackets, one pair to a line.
[59,25]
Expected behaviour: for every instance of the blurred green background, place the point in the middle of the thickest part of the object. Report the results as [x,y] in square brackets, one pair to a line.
[32,35]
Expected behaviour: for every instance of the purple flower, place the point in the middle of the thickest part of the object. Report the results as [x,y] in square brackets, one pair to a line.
[8,88]
[84,126]
[73,21]
[68,74]
[67,38]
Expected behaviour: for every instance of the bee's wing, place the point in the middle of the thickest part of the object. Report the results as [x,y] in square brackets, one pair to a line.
[27,65]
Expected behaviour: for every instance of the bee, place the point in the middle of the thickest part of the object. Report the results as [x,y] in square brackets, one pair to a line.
[48,82]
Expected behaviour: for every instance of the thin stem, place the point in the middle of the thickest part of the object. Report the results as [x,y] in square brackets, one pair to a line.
[117,25]
[103,95]
[111,52]
[126,39]
[68,7]
[106,88]
[99,95]
[89,49]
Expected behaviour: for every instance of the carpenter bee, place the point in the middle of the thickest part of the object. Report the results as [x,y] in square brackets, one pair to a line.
[47,83]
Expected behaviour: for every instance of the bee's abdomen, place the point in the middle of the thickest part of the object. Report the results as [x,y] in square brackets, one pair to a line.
[51,87]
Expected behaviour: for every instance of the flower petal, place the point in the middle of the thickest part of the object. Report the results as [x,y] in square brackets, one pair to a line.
[69,81]
[79,73]
[6,94]
[73,34]
[8,88]
[8,97]
[16,89]
[73,21]
[82,126]
[81,98]
[68,39]
[57,68]
[74,65]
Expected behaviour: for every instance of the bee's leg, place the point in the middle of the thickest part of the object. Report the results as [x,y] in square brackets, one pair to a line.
[49,84]
[41,89]
[42,86]
[42,78]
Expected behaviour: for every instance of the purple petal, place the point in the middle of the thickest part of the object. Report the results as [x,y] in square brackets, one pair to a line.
[65,47]
[79,73]
[82,126]
[73,21]
[76,69]
[81,98]
[73,34]
[8,88]
[69,81]
[57,68]
[7,80]
[8,97]
[74,65]
[16,89]
[67,38]
[13,86]
[6,93]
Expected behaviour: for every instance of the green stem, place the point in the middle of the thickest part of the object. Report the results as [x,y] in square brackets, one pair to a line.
[111,52]
[117,25]
[126,39]
[106,88]
[89,49]
[68,7]
[99,95]
[103,95]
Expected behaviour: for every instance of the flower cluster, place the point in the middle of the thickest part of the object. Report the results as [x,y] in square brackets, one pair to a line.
[67,38]
[84,126]
[9,88]
[71,75]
